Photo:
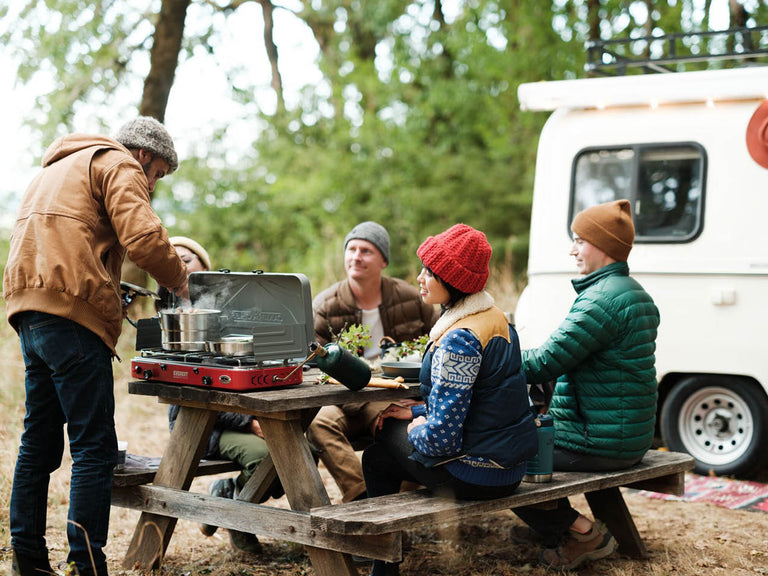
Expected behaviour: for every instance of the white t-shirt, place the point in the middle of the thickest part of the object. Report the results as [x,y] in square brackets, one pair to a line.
[372,319]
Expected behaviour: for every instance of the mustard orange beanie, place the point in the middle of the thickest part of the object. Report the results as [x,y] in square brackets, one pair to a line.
[608,226]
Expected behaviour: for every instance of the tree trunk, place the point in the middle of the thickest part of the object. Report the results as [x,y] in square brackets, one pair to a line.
[738,14]
[593,19]
[321,25]
[164,58]
[269,43]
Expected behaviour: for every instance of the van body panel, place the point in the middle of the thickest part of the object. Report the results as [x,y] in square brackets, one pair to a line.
[712,288]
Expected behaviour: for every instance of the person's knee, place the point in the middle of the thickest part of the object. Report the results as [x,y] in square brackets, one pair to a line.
[322,428]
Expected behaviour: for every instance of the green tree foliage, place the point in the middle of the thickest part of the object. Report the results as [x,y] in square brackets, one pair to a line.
[416,122]
[424,130]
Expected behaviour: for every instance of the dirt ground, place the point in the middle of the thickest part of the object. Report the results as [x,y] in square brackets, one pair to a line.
[682,539]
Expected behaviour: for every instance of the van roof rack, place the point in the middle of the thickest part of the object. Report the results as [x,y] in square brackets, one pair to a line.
[655,54]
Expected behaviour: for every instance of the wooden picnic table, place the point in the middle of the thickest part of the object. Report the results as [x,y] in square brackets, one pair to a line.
[331,533]
[284,415]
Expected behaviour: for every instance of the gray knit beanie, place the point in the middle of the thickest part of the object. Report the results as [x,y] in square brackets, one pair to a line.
[374,233]
[147,133]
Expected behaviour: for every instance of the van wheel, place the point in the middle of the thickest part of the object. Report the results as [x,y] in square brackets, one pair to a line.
[721,422]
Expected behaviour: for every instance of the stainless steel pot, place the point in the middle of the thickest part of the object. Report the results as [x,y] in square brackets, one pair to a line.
[188,330]
[231,346]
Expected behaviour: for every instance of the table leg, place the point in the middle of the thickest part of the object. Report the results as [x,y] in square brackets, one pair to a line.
[177,470]
[261,480]
[302,483]
[608,505]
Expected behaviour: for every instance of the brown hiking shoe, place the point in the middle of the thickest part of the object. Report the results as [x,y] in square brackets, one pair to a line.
[577,548]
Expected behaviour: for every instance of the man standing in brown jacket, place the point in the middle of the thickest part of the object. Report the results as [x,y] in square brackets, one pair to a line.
[389,307]
[84,211]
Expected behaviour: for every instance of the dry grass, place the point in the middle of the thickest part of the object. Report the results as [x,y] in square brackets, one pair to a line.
[683,539]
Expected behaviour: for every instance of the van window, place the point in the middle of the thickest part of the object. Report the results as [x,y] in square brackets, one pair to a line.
[664,183]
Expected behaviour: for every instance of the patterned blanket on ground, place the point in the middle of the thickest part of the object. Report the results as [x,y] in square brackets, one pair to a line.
[733,494]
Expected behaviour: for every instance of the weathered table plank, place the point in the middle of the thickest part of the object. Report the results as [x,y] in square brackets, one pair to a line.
[138,476]
[406,510]
[282,524]
[286,399]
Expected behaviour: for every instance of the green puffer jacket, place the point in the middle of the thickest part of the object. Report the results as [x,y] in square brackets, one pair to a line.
[602,355]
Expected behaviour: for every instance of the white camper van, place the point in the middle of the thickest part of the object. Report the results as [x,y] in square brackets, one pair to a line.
[675,146]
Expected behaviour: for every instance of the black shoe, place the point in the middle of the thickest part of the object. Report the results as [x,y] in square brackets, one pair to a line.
[245,542]
[381,568]
[25,566]
[224,488]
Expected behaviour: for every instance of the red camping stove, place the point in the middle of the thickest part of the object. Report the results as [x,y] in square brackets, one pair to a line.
[237,373]
[274,311]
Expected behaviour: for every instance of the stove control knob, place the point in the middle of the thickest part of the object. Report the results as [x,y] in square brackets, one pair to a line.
[147,374]
[207,381]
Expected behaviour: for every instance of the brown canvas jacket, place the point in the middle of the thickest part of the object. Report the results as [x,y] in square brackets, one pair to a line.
[84,211]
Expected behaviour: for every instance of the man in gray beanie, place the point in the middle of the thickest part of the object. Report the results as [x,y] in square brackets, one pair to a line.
[389,307]
[374,233]
[83,213]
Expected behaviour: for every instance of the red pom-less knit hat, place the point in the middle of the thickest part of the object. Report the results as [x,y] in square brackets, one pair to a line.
[459,256]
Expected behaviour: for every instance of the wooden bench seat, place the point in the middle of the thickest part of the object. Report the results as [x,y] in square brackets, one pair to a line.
[658,472]
[137,474]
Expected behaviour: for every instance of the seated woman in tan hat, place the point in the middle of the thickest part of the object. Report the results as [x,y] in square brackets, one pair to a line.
[602,355]
[235,437]
[197,260]
[458,441]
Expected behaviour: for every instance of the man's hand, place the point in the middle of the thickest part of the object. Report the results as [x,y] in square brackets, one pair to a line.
[183,290]
[256,428]
[394,411]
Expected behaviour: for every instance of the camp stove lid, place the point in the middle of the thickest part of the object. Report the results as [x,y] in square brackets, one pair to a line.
[275,308]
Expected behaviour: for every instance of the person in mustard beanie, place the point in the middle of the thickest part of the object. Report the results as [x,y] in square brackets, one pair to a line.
[607,226]
[602,356]
[457,441]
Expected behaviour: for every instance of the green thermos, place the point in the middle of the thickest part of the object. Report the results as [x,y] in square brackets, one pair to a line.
[338,363]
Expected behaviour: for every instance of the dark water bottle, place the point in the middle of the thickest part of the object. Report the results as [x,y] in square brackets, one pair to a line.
[539,467]
[338,363]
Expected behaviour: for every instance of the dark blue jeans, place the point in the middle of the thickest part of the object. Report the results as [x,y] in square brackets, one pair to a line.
[68,381]
[387,464]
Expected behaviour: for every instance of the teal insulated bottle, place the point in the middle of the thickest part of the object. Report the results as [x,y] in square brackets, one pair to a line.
[338,363]
[539,467]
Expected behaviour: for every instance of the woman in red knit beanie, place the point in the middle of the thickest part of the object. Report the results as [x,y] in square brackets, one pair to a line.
[457,441]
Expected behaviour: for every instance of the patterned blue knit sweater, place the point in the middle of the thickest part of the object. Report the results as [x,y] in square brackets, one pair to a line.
[455,367]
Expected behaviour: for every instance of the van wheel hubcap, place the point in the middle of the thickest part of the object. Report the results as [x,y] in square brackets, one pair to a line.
[716,425]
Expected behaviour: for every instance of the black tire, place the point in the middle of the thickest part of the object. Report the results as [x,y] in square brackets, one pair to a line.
[722,422]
